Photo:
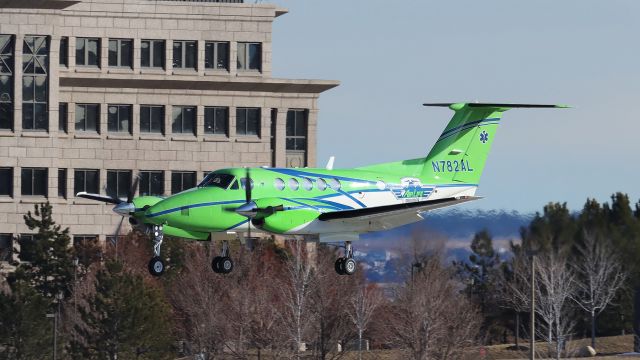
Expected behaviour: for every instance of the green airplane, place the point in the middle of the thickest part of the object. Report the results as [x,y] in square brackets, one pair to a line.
[322,204]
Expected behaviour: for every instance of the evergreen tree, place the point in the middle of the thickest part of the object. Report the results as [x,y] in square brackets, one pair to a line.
[552,231]
[125,318]
[50,268]
[25,331]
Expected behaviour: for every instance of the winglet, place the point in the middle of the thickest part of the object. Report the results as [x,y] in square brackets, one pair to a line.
[330,163]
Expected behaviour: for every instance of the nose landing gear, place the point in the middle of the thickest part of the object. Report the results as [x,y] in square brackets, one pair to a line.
[156,265]
[346,265]
[222,264]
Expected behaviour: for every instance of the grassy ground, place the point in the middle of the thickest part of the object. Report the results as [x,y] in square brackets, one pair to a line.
[607,348]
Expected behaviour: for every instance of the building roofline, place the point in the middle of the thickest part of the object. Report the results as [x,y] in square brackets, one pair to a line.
[256,85]
[38,4]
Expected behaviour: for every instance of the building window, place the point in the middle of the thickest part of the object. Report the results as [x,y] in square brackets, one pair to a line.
[86,180]
[35,94]
[151,183]
[216,120]
[119,118]
[34,181]
[63,117]
[182,180]
[88,52]
[64,51]
[87,117]
[86,248]
[62,183]
[249,56]
[248,121]
[118,183]
[120,52]
[185,54]
[216,55]
[152,119]
[6,82]
[296,130]
[6,247]
[184,120]
[152,53]
[6,181]
[27,247]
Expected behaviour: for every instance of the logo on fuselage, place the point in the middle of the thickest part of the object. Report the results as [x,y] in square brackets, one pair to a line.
[411,188]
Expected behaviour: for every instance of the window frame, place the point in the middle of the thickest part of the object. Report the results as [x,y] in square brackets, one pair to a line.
[245,112]
[212,110]
[182,174]
[97,122]
[162,118]
[183,108]
[37,109]
[118,53]
[62,183]
[7,69]
[86,41]
[152,47]
[183,55]
[63,117]
[118,192]
[247,59]
[296,137]
[119,107]
[212,48]
[32,172]
[76,189]
[63,51]
[6,252]
[149,173]
[10,182]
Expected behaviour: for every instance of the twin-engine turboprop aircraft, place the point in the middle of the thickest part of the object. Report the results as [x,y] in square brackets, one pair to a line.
[326,204]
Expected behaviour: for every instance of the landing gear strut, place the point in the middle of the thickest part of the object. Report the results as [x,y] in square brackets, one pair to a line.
[156,265]
[346,265]
[222,264]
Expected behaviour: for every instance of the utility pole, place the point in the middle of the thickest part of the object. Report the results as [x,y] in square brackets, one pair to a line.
[532,336]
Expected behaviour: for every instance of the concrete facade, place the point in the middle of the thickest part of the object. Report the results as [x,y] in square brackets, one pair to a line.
[53,149]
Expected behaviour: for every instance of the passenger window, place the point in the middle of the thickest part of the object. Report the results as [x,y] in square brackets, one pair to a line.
[321,184]
[335,184]
[234,186]
[279,184]
[243,183]
[307,184]
[293,184]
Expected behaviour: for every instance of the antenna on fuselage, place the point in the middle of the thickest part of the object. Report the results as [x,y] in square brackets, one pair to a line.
[330,163]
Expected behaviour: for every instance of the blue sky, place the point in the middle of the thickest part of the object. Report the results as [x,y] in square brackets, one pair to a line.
[391,56]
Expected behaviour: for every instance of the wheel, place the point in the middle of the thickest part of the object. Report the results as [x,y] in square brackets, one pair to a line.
[156,266]
[340,266]
[226,265]
[349,266]
[215,264]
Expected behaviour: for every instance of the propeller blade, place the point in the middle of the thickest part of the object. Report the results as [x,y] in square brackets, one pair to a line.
[98,197]
[117,233]
[132,191]
[247,186]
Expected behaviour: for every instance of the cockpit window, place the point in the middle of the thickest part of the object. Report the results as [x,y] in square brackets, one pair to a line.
[217,180]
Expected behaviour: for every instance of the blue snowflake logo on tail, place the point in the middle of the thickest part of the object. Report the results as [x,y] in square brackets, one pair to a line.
[484,136]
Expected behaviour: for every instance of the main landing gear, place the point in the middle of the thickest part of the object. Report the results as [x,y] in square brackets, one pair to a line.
[222,264]
[156,265]
[346,265]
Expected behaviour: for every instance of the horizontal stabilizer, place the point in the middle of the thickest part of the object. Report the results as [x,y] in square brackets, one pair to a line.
[453,106]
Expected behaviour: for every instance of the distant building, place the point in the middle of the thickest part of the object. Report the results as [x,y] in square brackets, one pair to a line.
[93,92]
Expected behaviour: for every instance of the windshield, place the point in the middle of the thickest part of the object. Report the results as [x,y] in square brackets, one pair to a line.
[217,180]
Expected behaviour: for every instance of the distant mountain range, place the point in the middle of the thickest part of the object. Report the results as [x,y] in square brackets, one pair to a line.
[385,255]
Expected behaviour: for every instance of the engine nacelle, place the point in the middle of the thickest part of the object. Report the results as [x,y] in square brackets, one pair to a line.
[279,222]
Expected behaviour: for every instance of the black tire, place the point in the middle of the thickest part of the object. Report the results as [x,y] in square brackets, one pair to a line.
[226,265]
[215,264]
[340,266]
[349,266]
[156,266]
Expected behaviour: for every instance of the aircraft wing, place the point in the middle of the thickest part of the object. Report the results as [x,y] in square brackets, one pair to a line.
[393,211]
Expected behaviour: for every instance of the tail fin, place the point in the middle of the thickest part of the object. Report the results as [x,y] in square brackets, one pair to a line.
[460,153]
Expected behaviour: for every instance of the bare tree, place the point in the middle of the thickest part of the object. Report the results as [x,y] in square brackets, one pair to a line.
[599,277]
[296,288]
[363,304]
[430,317]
